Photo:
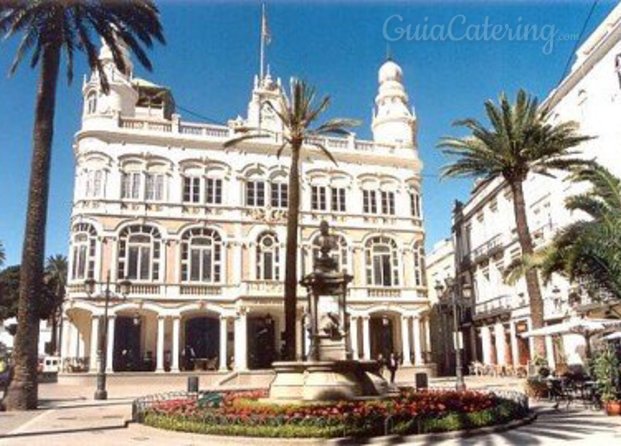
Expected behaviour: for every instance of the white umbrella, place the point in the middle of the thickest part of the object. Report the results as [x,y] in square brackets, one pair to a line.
[613,336]
[576,325]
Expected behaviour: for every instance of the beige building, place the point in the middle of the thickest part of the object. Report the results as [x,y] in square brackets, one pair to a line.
[484,226]
[199,230]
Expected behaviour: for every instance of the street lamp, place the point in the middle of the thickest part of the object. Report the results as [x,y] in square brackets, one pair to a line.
[124,285]
[465,295]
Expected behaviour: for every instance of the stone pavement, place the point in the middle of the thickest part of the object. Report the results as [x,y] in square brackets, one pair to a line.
[68,416]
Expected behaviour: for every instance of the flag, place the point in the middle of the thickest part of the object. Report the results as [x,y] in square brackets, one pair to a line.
[265,30]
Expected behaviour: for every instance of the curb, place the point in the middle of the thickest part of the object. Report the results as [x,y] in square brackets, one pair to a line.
[439,436]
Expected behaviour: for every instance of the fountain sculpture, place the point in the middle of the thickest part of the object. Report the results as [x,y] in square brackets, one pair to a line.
[329,372]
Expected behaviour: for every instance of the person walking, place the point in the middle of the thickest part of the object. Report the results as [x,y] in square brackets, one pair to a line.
[393,365]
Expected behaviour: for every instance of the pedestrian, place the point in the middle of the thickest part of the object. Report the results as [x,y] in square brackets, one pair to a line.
[393,365]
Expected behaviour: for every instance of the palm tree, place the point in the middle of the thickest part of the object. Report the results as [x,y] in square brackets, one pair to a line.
[2,254]
[50,28]
[56,277]
[519,141]
[587,250]
[297,113]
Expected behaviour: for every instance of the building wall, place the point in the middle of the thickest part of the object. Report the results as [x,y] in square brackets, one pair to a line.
[484,226]
[121,145]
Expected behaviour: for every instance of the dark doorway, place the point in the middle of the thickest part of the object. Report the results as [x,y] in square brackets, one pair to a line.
[261,342]
[202,341]
[127,355]
[381,337]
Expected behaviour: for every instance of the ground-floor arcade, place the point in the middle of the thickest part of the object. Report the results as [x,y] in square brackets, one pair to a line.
[148,336]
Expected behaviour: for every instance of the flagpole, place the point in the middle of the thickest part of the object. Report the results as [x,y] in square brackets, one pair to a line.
[262,47]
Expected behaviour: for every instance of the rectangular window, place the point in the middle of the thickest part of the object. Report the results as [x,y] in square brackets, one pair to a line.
[318,198]
[338,199]
[130,185]
[388,202]
[191,190]
[369,202]
[255,193]
[154,187]
[213,191]
[280,195]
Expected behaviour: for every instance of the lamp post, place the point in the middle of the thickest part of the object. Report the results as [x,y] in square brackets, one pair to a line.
[101,393]
[465,294]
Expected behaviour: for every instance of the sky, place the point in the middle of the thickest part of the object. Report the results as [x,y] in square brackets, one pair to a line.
[451,59]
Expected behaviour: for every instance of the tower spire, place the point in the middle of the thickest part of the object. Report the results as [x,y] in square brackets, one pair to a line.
[266,39]
[388,52]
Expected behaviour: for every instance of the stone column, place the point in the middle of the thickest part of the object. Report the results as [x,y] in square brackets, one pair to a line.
[176,340]
[418,357]
[515,354]
[72,340]
[486,341]
[64,326]
[550,352]
[299,324]
[110,342]
[161,324]
[223,342]
[94,344]
[405,340]
[427,336]
[473,343]
[366,338]
[499,331]
[241,348]
[531,340]
[353,336]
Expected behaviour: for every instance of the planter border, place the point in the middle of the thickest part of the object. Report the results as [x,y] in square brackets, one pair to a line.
[140,404]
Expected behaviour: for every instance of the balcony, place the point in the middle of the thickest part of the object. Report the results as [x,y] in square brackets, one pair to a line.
[543,234]
[200,290]
[487,249]
[383,292]
[497,305]
[222,132]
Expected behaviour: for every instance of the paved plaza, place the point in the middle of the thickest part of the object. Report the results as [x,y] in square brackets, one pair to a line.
[69,416]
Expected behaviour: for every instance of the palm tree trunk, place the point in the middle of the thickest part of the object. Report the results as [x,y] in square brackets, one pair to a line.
[22,393]
[531,276]
[291,276]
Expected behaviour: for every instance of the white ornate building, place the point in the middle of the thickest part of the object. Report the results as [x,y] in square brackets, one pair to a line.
[484,231]
[199,230]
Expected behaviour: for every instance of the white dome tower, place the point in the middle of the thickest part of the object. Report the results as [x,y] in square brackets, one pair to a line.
[99,107]
[393,122]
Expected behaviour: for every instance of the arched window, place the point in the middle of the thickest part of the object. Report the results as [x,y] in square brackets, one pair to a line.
[419,265]
[201,256]
[268,257]
[140,249]
[83,248]
[339,254]
[91,103]
[382,262]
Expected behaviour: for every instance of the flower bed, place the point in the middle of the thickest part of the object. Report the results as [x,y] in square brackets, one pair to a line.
[243,413]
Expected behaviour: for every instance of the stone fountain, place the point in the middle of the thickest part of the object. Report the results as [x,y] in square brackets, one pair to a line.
[330,372]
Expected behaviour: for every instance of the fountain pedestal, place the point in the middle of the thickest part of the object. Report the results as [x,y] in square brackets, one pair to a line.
[330,373]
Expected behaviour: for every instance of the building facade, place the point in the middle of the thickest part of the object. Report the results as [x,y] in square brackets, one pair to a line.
[440,271]
[199,230]
[484,227]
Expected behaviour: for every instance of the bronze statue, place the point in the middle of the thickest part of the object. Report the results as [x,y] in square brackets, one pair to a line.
[326,242]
